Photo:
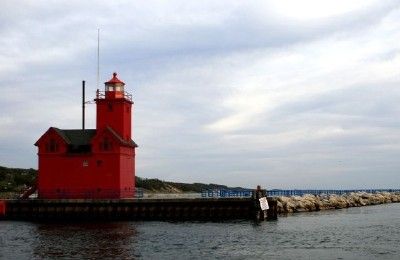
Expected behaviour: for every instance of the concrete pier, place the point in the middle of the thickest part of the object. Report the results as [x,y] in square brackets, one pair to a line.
[214,209]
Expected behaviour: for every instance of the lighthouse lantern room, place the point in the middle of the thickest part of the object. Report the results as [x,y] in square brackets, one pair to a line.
[91,163]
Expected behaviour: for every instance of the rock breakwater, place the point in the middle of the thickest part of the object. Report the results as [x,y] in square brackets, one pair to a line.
[310,202]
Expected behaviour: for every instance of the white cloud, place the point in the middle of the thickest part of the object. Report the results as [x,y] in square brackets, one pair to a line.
[316,9]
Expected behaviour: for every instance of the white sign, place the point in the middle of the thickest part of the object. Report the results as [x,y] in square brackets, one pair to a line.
[264,203]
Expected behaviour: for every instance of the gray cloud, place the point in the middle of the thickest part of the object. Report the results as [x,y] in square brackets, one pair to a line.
[226,92]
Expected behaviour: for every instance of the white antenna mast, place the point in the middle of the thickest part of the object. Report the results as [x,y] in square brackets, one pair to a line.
[98,58]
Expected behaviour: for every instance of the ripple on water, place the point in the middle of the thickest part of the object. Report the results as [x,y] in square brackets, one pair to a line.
[337,234]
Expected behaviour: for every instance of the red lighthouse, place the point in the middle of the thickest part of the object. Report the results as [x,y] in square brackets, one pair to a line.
[92,163]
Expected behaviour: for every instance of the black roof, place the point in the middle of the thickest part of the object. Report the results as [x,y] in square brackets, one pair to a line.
[128,143]
[79,137]
[76,136]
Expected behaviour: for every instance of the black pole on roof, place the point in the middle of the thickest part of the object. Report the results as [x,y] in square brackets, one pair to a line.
[83,105]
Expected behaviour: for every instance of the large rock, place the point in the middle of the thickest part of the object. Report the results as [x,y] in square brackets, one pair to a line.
[310,202]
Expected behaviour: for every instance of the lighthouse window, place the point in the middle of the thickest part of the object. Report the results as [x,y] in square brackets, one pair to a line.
[85,163]
[110,108]
[127,109]
[79,148]
[99,163]
[106,145]
[52,146]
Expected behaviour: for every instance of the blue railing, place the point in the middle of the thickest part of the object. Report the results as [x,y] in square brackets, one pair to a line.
[287,193]
[138,193]
[229,193]
[226,193]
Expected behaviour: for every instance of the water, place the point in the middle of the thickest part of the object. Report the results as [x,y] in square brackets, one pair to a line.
[356,233]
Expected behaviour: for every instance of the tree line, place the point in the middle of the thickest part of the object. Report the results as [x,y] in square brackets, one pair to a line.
[17,180]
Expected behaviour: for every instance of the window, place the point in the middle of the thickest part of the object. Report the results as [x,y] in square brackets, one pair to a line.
[85,163]
[105,145]
[52,146]
[99,163]
[86,148]
[127,109]
[110,108]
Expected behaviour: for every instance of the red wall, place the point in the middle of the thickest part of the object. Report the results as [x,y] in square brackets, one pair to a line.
[99,174]
[2,208]
[115,113]
[63,176]
[127,164]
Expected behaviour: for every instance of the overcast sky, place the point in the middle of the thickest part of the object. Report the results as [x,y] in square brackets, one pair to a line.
[285,94]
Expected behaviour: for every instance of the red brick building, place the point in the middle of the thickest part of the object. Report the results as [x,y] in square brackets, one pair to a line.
[91,163]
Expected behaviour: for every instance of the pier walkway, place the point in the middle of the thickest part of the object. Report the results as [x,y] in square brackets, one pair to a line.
[179,209]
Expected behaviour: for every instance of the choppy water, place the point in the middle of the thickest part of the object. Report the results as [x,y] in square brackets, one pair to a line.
[356,233]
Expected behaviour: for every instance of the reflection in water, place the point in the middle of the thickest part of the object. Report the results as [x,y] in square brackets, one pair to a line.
[85,240]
